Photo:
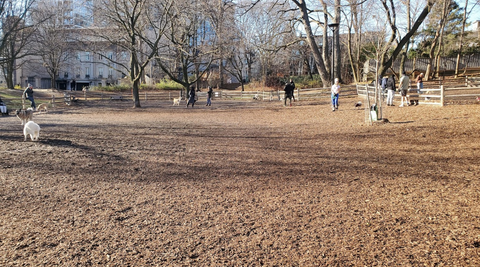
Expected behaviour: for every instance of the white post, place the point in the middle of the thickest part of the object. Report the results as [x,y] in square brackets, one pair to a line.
[442,95]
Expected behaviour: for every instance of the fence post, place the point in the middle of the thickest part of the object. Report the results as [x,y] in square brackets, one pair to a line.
[53,101]
[442,95]
[298,94]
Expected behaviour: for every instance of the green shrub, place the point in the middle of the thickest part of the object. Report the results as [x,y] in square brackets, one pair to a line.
[111,88]
[168,85]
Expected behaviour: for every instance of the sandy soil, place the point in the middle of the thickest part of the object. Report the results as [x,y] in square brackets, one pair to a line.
[241,184]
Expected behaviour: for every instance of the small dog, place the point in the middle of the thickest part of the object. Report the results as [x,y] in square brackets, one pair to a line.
[24,115]
[176,101]
[43,106]
[32,129]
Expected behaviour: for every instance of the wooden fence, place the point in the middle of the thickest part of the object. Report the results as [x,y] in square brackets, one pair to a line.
[427,96]
[432,96]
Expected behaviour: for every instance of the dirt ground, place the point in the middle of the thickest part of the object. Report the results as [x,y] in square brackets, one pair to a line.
[241,184]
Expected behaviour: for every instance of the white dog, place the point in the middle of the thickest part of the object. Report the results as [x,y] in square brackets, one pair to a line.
[32,129]
[176,101]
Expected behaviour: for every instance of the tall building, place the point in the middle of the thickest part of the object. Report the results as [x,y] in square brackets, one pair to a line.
[84,66]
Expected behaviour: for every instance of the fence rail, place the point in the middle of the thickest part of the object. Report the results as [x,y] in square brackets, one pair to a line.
[435,96]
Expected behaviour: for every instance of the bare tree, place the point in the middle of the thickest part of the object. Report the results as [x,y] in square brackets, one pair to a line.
[52,40]
[388,56]
[354,21]
[190,46]
[466,14]
[16,32]
[440,21]
[137,28]
[269,29]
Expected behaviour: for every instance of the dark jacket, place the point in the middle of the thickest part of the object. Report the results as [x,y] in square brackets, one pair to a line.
[391,83]
[28,92]
[289,87]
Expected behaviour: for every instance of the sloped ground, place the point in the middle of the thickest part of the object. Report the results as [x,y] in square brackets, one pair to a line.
[241,184]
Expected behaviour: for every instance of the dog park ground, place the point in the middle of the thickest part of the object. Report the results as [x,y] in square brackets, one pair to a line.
[241,184]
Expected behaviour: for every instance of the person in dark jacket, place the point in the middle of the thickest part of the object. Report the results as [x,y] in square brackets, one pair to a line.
[292,84]
[209,96]
[390,90]
[289,87]
[191,99]
[28,94]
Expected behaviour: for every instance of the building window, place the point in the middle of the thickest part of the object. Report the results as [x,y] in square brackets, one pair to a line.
[65,75]
[100,72]
[87,56]
[87,72]
[110,55]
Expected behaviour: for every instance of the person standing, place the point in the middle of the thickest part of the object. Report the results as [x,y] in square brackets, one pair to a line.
[390,90]
[288,92]
[28,94]
[335,92]
[191,99]
[404,82]
[292,85]
[209,96]
[419,82]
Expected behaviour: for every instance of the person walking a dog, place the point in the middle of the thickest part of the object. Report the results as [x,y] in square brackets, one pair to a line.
[28,94]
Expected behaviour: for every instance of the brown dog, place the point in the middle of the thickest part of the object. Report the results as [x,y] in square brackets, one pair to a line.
[43,106]
[24,115]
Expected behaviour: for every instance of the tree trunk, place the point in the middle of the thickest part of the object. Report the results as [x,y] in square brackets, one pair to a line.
[338,55]
[386,64]
[435,41]
[312,43]
[404,53]
[136,95]
[135,79]
[460,45]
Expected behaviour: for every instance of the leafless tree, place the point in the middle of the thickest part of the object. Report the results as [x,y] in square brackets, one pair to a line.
[444,8]
[135,27]
[190,45]
[15,33]
[388,56]
[466,14]
[52,41]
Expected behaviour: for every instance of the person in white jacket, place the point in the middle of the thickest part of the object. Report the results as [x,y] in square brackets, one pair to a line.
[335,92]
